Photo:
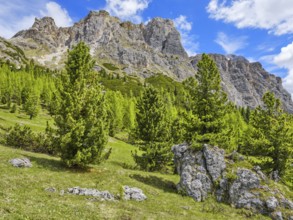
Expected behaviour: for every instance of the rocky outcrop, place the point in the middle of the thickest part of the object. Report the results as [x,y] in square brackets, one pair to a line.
[204,172]
[21,162]
[145,50]
[195,180]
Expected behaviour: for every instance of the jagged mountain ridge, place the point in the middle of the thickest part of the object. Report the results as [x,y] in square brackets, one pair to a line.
[145,50]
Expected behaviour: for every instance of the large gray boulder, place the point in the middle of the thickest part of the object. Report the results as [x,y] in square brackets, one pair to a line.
[21,162]
[240,193]
[198,170]
[205,171]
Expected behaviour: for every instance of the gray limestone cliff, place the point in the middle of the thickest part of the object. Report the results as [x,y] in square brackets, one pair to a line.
[145,50]
[246,82]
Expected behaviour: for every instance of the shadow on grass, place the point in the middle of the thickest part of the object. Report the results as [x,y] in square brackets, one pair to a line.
[160,183]
[2,119]
[124,165]
[54,165]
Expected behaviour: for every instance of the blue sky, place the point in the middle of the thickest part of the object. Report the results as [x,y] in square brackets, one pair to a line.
[260,30]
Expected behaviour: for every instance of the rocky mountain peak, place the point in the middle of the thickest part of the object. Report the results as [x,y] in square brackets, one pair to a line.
[99,13]
[162,35]
[145,50]
[45,24]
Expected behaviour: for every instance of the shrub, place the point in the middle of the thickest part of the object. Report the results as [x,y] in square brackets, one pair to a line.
[24,138]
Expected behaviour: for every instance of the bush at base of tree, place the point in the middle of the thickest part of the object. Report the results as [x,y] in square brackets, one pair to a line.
[24,138]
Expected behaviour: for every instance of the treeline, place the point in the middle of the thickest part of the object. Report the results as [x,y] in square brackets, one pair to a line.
[28,89]
[155,114]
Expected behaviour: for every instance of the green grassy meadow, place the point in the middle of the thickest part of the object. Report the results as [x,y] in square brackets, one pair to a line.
[23,195]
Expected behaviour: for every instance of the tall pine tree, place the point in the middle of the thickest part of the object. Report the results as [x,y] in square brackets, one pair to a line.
[81,119]
[206,103]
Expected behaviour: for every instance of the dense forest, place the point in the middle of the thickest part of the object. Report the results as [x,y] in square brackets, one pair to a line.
[154,114]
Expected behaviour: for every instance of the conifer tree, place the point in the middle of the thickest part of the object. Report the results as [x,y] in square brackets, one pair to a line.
[268,135]
[116,111]
[81,119]
[129,114]
[207,104]
[31,105]
[153,129]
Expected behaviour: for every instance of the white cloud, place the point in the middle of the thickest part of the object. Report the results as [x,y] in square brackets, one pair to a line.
[285,60]
[17,15]
[273,15]
[182,23]
[230,44]
[188,39]
[59,14]
[127,9]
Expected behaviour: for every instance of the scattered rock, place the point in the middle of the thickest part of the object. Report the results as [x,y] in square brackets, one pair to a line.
[51,189]
[186,207]
[103,195]
[23,162]
[287,204]
[133,194]
[275,176]
[257,169]
[276,216]
[272,203]
[61,192]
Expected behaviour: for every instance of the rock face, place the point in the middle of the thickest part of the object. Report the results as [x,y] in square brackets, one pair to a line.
[133,193]
[245,82]
[145,50]
[149,49]
[205,171]
[23,162]
[12,54]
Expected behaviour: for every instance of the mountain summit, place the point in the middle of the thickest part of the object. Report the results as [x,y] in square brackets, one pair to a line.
[145,50]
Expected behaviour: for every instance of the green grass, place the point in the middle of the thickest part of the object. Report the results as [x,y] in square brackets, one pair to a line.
[23,195]
[110,66]
[8,119]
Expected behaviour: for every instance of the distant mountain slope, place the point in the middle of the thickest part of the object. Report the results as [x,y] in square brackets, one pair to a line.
[245,82]
[11,53]
[145,50]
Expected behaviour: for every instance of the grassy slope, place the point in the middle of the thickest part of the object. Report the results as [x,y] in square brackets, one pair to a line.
[22,194]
